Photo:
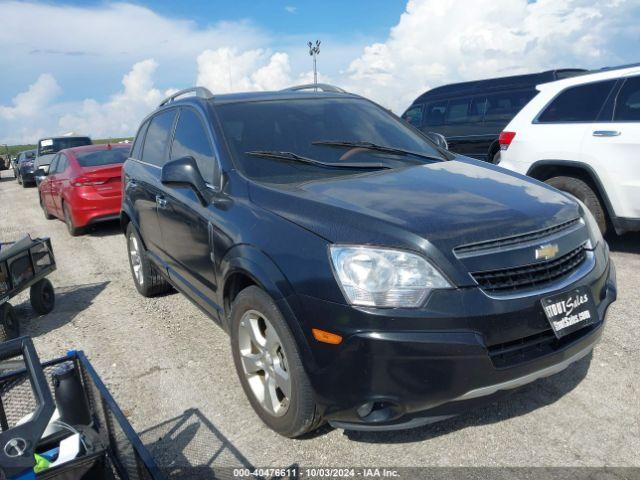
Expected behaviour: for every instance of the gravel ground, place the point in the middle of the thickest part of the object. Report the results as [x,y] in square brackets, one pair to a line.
[170,369]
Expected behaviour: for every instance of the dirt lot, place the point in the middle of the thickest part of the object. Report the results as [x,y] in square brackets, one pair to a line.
[171,371]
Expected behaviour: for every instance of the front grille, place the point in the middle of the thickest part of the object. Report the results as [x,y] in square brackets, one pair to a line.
[516,239]
[529,276]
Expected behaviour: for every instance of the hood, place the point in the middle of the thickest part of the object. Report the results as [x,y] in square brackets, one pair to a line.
[444,204]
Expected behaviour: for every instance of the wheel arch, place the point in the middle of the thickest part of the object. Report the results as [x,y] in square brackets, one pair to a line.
[245,265]
[545,169]
[493,149]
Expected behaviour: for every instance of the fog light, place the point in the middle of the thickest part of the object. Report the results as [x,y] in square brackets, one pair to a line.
[365,409]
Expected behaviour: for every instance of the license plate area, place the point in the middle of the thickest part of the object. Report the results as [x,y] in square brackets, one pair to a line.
[570,311]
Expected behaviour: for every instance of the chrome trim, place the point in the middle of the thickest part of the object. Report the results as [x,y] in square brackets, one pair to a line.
[531,377]
[145,163]
[535,242]
[606,133]
[583,270]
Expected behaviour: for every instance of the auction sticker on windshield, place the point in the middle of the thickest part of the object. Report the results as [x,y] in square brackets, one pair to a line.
[570,311]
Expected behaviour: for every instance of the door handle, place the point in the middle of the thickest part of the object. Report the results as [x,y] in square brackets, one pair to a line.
[606,133]
[161,201]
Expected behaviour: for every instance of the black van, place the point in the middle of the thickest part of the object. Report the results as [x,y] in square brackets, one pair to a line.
[471,115]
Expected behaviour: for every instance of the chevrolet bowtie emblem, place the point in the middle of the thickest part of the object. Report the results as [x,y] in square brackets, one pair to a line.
[547,252]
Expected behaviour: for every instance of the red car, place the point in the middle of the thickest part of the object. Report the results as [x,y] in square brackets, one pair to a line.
[84,185]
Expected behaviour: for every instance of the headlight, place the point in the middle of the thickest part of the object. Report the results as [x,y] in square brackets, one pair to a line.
[592,225]
[381,277]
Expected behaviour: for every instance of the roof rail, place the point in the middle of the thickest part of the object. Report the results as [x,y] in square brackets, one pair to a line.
[201,92]
[616,67]
[315,86]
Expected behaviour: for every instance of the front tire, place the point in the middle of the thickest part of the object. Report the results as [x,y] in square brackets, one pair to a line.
[147,280]
[9,326]
[583,191]
[269,366]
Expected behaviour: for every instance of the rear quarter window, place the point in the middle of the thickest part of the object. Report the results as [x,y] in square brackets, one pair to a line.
[155,149]
[628,102]
[581,103]
[502,107]
[136,149]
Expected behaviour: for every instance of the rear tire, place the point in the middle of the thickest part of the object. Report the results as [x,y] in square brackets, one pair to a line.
[42,296]
[266,377]
[9,326]
[68,220]
[583,191]
[47,215]
[147,280]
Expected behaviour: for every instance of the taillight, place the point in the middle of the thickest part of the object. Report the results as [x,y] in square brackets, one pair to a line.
[85,182]
[505,139]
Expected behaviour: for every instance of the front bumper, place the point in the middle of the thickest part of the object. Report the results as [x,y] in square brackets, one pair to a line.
[399,376]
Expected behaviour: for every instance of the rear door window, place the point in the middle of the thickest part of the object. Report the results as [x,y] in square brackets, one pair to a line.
[434,113]
[458,111]
[62,163]
[581,103]
[628,102]
[156,140]
[192,139]
[54,164]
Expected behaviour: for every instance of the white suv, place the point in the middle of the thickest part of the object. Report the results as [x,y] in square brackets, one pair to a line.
[582,135]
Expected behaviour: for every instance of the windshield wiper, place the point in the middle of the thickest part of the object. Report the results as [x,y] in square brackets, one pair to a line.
[376,147]
[294,157]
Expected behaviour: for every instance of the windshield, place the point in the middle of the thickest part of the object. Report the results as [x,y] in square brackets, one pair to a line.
[102,157]
[54,145]
[44,160]
[310,128]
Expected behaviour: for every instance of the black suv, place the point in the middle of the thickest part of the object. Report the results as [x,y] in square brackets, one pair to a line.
[471,115]
[365,276]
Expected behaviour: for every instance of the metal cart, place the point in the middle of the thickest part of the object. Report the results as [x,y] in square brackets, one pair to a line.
[110,447]
[25,264]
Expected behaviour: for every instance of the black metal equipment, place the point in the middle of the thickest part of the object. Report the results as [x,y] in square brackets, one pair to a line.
[32,427]
[25,264]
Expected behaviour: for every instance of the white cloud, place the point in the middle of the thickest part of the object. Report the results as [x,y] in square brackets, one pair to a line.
[110,30]
[122,113]
[34,99]
[231,70]
[442,41]
[433,43]
[291,9]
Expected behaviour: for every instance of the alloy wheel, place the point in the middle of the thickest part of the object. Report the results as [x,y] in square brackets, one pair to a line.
[136,260]
[264,363]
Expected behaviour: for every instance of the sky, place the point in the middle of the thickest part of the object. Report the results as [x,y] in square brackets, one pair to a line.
[98,68]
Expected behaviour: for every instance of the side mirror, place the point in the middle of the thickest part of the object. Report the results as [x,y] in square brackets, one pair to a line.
[438,139]
[184,172]
[40,172]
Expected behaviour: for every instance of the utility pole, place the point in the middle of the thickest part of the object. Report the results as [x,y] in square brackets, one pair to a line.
[314,51]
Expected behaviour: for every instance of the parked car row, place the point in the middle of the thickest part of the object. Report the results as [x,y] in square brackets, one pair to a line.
[367,276]
[578,131]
